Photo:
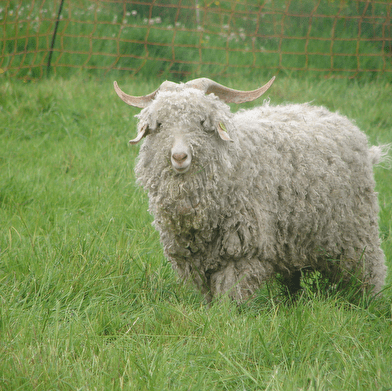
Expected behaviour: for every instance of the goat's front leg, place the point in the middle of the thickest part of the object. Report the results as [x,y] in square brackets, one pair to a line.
[240,279]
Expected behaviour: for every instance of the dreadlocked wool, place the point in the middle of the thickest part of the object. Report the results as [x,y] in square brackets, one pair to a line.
[293,190]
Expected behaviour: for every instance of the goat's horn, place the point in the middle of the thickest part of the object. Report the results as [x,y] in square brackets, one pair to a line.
[227,94]
[136,101]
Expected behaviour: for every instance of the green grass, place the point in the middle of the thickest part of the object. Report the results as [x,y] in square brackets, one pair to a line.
[325,38]
[87,300]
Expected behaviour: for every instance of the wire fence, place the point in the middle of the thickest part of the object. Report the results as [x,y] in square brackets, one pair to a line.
[338,38]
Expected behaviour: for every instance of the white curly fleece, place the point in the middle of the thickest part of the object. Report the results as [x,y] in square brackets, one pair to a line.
[294,190]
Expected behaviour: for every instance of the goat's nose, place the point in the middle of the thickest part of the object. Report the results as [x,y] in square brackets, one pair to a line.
[179,157]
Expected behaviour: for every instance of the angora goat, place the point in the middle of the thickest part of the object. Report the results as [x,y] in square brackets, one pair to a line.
[240,197]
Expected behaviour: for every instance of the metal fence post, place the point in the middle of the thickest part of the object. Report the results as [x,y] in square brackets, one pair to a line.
[54,37]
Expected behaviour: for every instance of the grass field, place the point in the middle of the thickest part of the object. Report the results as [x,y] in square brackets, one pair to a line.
[340,38]
[87,299]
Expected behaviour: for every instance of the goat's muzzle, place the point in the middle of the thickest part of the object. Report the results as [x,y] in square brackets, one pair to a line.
[181,156]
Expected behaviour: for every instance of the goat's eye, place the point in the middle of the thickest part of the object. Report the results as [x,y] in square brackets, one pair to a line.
[206,125]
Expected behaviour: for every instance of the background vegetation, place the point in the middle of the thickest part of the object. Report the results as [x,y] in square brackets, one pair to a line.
[87,300]
[176,39]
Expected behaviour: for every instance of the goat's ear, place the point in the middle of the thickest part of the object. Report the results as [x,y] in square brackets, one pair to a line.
[221,128]
[143,132]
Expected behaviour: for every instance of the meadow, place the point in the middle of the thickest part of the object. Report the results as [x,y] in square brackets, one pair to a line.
[87,299]
[173,38]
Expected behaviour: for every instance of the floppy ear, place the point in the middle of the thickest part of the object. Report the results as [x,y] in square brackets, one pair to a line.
[221,128]
[143,132]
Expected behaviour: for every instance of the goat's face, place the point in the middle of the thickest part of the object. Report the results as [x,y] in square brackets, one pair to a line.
[188,116]
[193,141]
[184,130]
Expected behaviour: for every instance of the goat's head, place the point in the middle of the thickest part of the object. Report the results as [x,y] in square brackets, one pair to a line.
[181,151]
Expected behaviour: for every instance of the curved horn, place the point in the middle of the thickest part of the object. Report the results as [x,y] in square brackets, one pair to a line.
[228,95]
[136,101]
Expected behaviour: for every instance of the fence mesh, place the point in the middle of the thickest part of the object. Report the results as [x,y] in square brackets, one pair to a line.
[343,38]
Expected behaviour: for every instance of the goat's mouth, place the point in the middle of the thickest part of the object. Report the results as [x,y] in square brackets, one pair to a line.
[181,165]
[181,170]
